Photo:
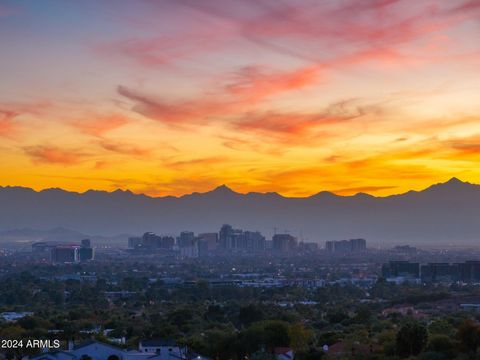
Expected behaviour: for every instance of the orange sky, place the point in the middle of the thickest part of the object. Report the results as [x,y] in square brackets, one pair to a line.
[171,97]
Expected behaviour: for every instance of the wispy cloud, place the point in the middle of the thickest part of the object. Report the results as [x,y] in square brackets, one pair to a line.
[7,125]
[150,52]
[11,113]
[100,125]
[298,127]
[168,48]
[194,163]
[125,148]
[470,8]
[242,90]
[175,113]
[47,154]
[252,84]
[467,148]
[309,30]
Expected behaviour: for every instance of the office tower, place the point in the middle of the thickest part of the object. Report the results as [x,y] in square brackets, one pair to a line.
[230,239]
[330,246]
[440,272]
[186,239]
[346,246]
[167,242]
[65,254]
[401,269]
[151,240]
[41,247]
[358,245]
[207,243]
[343,246]
[85,253]
[86,243]
[308,247]
[254,241]
[225,235]
[134,242]
[284,242]
[469,271]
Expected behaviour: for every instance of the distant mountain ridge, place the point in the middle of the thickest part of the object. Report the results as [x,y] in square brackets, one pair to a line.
[445,212]
[27,236]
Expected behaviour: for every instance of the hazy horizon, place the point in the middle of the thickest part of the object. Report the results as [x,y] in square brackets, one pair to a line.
[226,186]
[442,213]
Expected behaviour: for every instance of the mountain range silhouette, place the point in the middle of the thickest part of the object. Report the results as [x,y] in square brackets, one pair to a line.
[444,213]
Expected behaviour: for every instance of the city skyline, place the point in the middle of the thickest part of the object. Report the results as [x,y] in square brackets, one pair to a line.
[442,213]
[174,97]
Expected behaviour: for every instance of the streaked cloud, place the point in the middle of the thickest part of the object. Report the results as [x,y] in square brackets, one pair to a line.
[194,162]
[7,125]
[100,125]
[124,148]
[47,154]
[252,84]
[243,89]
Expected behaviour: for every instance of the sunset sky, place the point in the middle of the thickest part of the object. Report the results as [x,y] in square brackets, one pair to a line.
[169,97]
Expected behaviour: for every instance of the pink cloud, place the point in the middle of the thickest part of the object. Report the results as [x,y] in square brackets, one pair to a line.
[302,128]
[47,154]
[286,127]
[470,7]
[253,84]
[178,113]
[247,87]
[330,34]
[341,33]
[100,125]
[190,38]
[11,113]
[148,52]
[7,125]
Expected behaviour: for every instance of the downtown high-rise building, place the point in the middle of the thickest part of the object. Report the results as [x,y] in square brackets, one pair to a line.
[284,242]
[236,240]
[346,246]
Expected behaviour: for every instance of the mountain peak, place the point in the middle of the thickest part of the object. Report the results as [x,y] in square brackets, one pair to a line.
[223,189]
[123,192]
[324,195]
[362,195]
[455,180]
[271,194]
[454,184]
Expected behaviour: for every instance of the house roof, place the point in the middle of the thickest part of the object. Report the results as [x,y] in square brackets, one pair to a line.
[51,355]
[90,342]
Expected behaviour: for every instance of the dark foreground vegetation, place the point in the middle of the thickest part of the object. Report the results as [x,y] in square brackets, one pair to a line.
[385,321]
